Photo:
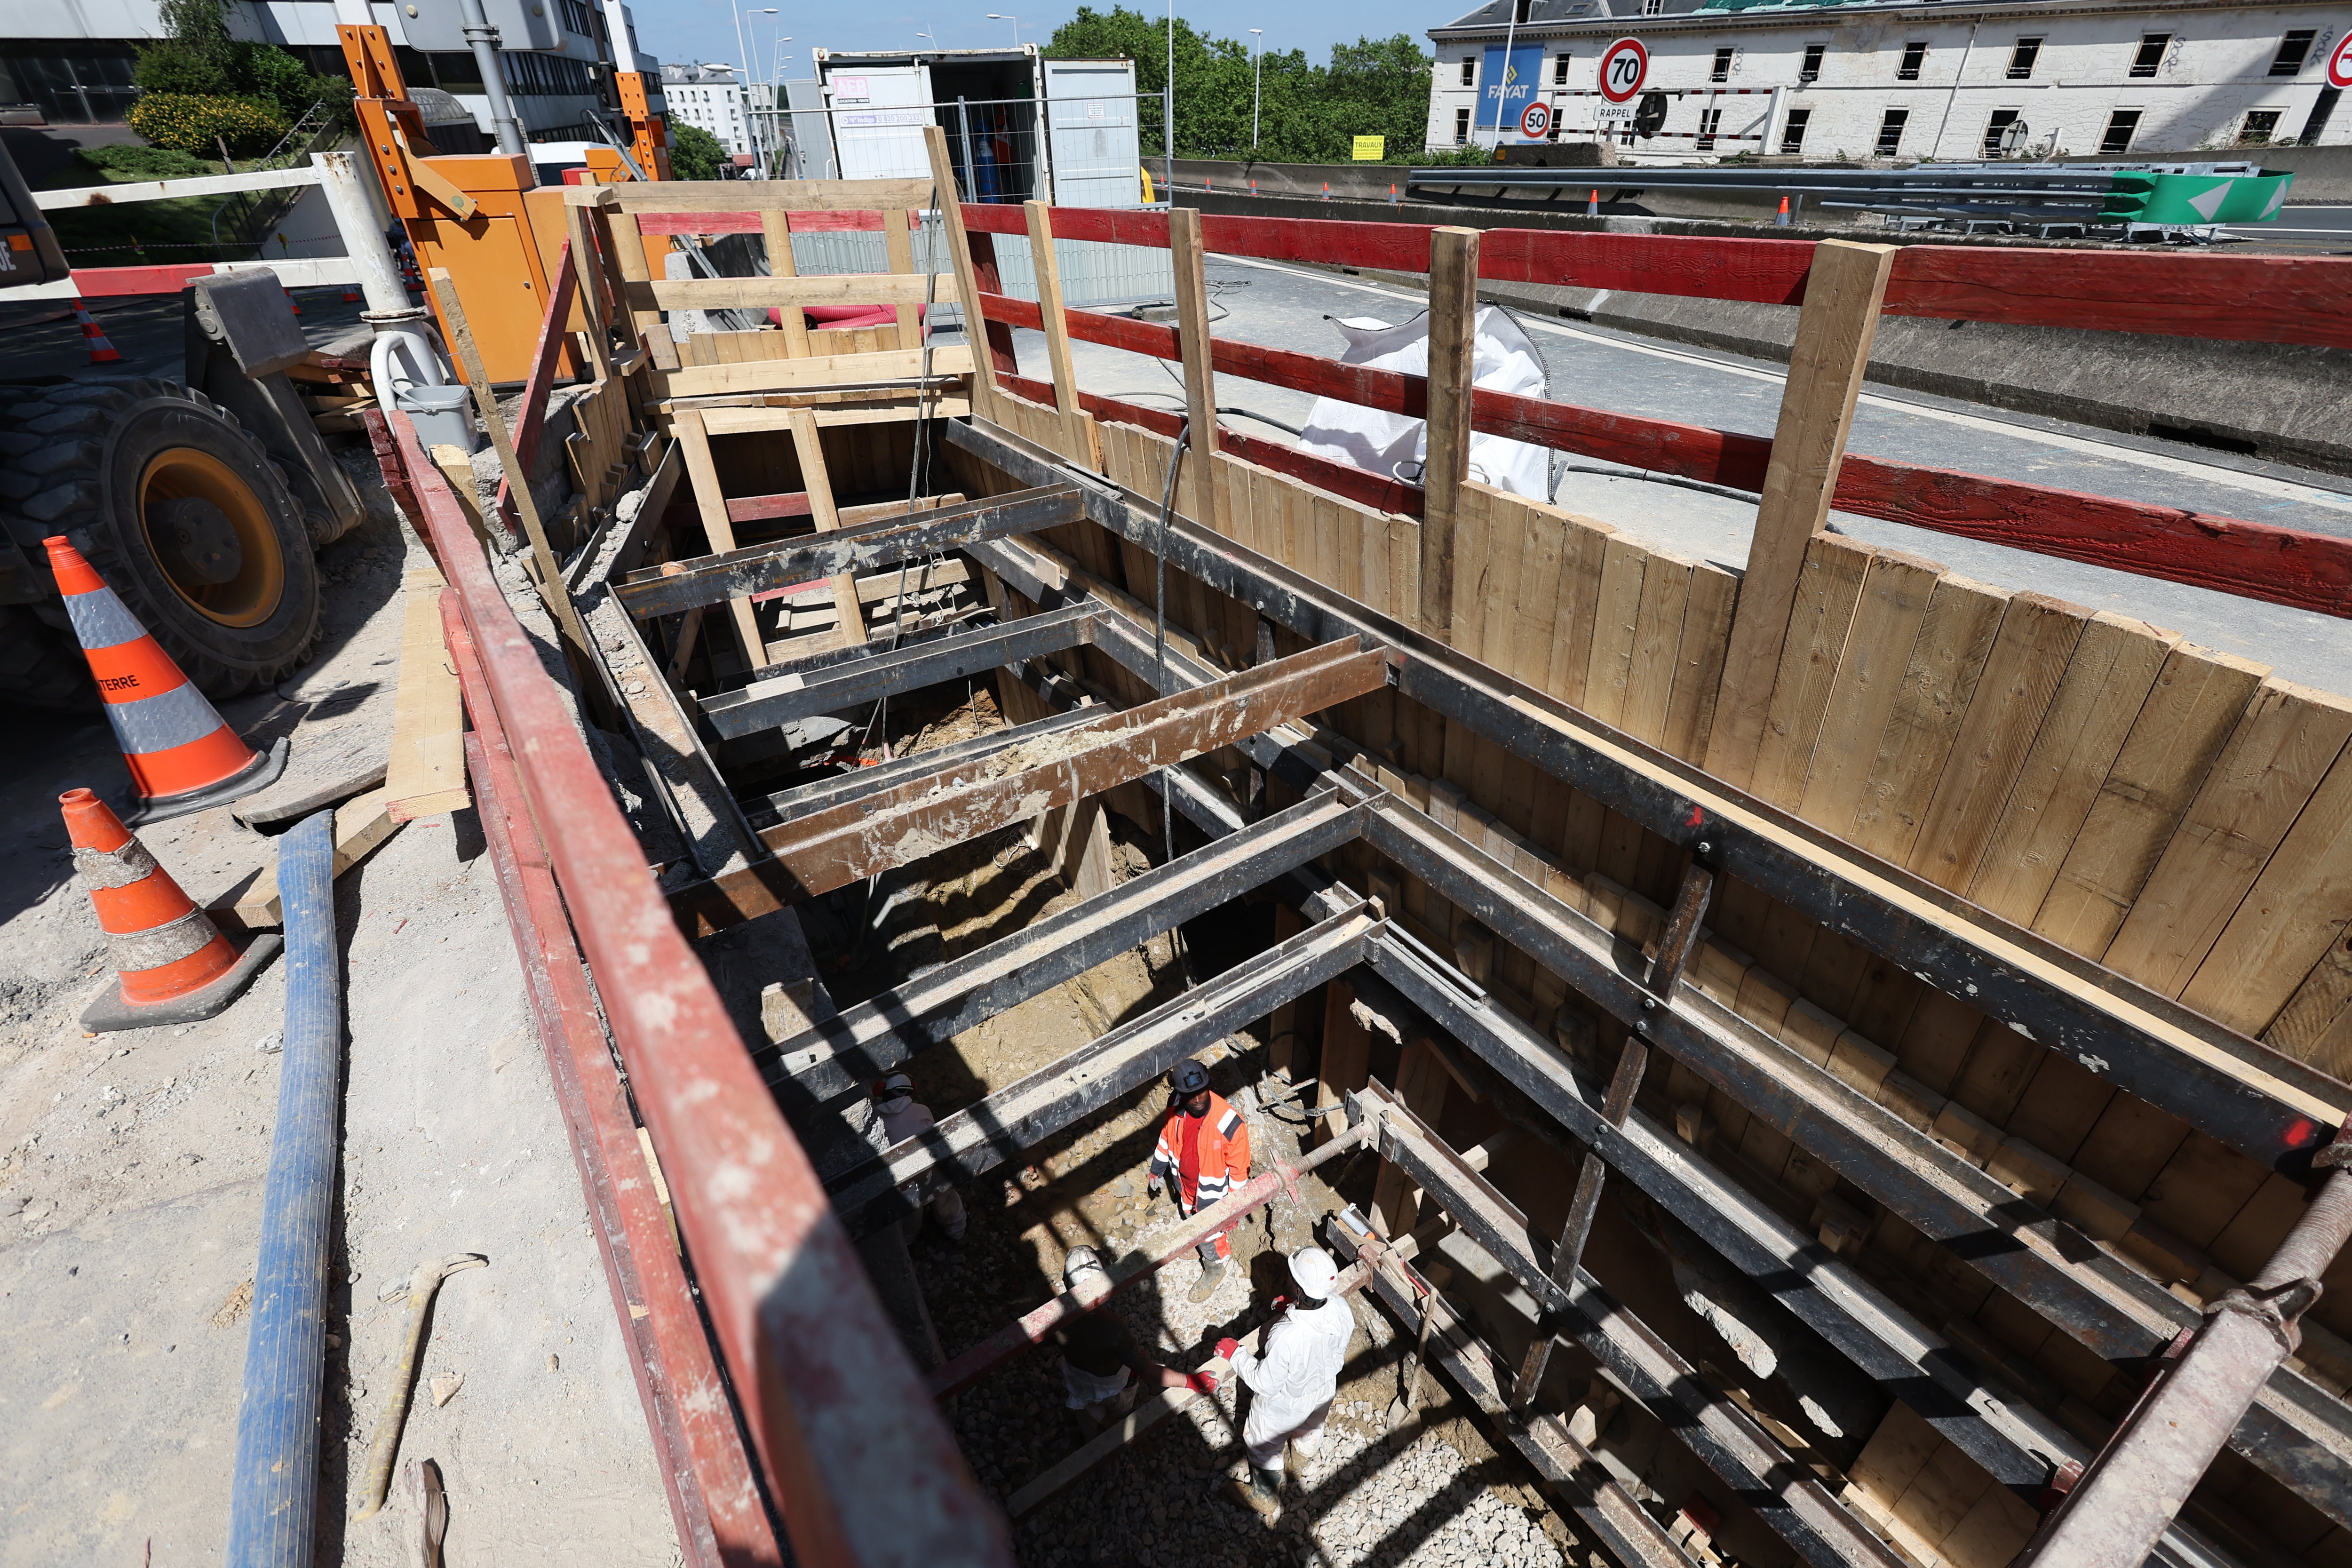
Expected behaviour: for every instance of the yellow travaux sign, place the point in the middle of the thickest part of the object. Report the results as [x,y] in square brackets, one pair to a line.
[1371,149]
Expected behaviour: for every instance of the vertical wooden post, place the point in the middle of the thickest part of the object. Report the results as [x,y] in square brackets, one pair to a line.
[1843,293]
[686,425]
[776,226]
[1197,488]
[590,262]
[898,246]
[943,192]
[629,250]
[989,281]
[850,629]
[1452,343]
[1078,440]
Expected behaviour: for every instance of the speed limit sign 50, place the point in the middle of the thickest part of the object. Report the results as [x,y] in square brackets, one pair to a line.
[2339,64]
[1623,65]
[1536,121]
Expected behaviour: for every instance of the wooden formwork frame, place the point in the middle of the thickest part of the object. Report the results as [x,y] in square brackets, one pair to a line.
[773,1267]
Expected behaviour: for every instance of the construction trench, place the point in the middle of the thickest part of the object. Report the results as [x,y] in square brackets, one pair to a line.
[1832,1063]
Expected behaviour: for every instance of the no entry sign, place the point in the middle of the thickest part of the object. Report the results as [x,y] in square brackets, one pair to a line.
[1622,65]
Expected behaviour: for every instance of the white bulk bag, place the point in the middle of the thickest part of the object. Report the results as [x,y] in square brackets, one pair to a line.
[1394,446]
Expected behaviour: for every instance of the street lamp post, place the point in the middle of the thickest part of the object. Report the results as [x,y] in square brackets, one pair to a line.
[742,53]
[1168,108]
[1003,16]
[1257,82]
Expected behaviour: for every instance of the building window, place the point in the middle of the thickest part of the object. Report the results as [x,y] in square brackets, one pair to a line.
[1722,71]
[1996,132]
[2292,48]
[1709,118]
[2121,125]
[2022,58]
[2151,53]
[1811,69]
[2260,126]
[1913,56]
[1654,7]
[1890,132]
[1469,70]
[1792,134]
[1559,71]
[1461,126]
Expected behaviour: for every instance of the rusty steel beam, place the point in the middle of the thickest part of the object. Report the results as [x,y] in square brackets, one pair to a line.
[838,1413]
[738,573]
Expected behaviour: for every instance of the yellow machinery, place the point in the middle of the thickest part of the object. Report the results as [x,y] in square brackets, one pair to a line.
[482,215]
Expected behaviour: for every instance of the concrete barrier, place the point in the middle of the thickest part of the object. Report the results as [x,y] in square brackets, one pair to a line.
[2277,402]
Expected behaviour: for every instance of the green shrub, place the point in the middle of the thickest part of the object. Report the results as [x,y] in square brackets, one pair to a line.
[148,163]
[193,123]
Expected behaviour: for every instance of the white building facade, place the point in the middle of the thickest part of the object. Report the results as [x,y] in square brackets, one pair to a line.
[1908,80]
[710,97]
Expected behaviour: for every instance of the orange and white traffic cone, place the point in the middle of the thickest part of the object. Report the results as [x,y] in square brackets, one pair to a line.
[171,963]
[350,293]
[182,757]
[290,300]
[100,351]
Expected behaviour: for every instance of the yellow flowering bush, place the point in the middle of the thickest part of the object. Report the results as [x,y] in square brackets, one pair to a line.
[194,122]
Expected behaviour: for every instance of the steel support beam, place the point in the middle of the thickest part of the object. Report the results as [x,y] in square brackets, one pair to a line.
[889,1186]
[766,704]
[1784,1494]
[850,1050]
[857,783]
[764,568]
[2256,1101]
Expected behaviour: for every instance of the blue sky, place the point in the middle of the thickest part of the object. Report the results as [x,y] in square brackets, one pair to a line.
[682,30]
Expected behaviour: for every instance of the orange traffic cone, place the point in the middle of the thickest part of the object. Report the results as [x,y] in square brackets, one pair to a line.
[100,351]
[1592,204]
[1782,221]
[182,757]
[291,300]
[350,293]
[171,963]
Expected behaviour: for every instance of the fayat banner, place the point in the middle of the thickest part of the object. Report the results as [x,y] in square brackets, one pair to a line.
[1511,94]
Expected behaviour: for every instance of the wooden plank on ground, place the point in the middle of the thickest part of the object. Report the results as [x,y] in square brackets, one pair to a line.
[361,824]
[1828,592]
[2115,665]
[1946,659]
[1452,343]
[1844,288]
[2190,713]
[425,774]
[2029,659]
[1895,592]
[2281,750]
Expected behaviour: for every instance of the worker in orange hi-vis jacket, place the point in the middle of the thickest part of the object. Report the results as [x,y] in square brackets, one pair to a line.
[1203,1153]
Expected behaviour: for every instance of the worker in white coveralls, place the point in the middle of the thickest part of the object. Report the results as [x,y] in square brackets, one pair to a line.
[897,1118]
[1293,1380]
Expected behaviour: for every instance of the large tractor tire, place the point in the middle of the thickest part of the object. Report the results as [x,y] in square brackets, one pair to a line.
[182,512]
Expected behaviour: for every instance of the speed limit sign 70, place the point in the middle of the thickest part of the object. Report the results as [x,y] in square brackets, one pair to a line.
[1623,65]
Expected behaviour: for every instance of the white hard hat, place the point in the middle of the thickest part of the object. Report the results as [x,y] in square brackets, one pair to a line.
[1081,1261]
[1316,1273]
[897,1084]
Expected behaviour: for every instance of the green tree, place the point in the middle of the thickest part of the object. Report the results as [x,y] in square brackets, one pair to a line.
[199,58]
[695,153]
[1309,113]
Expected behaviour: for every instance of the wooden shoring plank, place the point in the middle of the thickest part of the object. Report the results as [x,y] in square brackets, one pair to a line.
[711,502]
[2189,716]
[1190,261]
[809,447]
[2115,665]
[629,253]
[754,195]
[1453,347]
[776,230]
[1482,611]
[1078,442]
[1819,616]
[1583,552]
[1946,659]
[1706,638]
[1616,612]
[1657,656]
[1843,291]
[817,370]
[2030,657]
[2315,1024]
[2283,750]
[899,248]
[595,283]
[1474,545]
[789,290]
[426,772]
[1895,592]
[1537,610]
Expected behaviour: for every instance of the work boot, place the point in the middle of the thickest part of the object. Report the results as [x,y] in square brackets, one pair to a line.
[1212,1276]
[1296,1461]
[1261,1493]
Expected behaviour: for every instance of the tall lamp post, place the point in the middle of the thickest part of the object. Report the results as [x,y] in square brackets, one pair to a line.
[1168,108]
[1257,82]
[1001,17]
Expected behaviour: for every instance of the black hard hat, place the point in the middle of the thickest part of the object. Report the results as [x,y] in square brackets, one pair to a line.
[1189,1076]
